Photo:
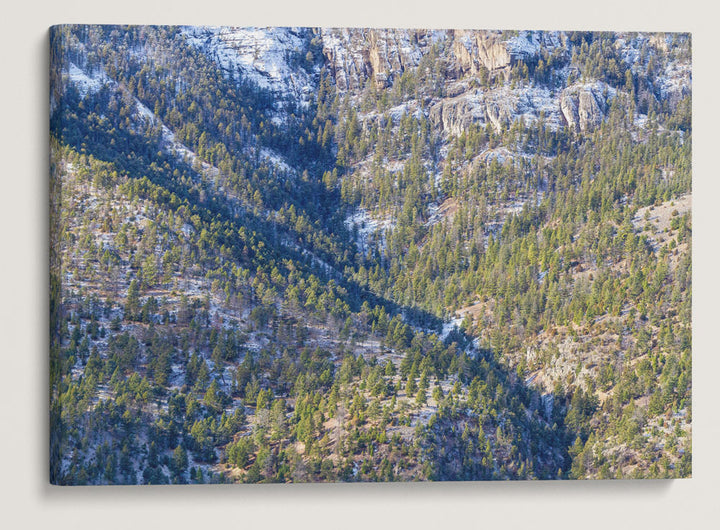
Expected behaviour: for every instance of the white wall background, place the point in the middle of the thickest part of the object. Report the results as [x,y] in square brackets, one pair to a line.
[26,499]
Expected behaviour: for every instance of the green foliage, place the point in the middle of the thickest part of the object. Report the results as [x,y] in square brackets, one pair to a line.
[217,308]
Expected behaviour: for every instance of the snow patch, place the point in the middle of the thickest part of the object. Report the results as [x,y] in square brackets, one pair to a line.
[369,230]
[501,154]
[448,327]
[274,159]
[262,55]
[398,112]
[676,80]
[171,144]
[526,44]
[87,83]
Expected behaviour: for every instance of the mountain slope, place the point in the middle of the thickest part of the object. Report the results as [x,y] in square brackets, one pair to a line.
[261,231]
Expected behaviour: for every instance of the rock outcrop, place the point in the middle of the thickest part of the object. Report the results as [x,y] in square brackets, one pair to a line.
[457,114]
[584,107]
[491,52]
[261,55]
[473,49]
[355,55]
[500,111]
[497,52]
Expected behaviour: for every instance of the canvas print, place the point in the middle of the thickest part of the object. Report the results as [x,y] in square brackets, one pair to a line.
[346,254]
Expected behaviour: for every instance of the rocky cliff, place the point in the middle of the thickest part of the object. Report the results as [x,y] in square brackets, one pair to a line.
[355,55]
[487,76]
[583,107]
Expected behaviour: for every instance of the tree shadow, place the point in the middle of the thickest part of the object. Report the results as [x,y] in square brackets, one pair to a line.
[501,429]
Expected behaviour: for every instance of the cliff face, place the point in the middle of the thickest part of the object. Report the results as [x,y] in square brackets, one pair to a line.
[468,58]
[487,76]
[355,55]
[584,107]
[474,49]
[454,115]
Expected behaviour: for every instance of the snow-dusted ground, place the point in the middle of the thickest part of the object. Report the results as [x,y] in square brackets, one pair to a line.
[677,80]
[261,54]
[275,159]
[534,100]
[529,43]
[448,327]
[501,154]
[433,211]
[369,230]
[87,82]
[171,144]
[629,48]
[90,82]
[398,112]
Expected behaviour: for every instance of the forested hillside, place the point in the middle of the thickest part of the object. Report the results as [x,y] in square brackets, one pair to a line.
[293,255]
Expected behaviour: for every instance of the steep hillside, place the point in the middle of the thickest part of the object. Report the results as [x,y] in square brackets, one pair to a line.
[294,254]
